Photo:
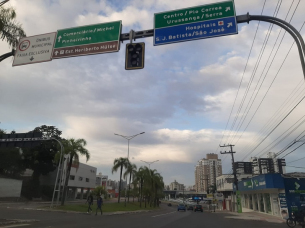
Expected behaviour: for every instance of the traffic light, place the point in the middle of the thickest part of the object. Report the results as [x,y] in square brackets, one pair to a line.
[134,56]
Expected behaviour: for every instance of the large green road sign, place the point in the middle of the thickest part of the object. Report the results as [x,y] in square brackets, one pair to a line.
[199,22]
[88,40]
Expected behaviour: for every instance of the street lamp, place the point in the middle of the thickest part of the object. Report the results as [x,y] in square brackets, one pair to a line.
[129,138]
[149,163]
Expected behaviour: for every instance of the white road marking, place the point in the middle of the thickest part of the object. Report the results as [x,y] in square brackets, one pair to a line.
[163,214]
[15,225]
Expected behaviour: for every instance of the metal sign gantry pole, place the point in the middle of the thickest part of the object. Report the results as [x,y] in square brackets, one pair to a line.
[57,185]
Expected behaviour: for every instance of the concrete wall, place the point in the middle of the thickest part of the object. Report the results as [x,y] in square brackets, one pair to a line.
[10,187]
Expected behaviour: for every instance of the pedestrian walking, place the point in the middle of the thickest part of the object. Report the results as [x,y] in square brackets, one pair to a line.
[99,204]
[90,202]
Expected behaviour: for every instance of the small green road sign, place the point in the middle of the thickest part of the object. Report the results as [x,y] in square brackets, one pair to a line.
[87,40]
[199,22]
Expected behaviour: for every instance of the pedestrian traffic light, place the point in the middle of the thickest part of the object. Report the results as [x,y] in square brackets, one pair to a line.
[134,56]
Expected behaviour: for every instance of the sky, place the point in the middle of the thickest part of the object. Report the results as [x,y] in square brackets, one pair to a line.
[183,97]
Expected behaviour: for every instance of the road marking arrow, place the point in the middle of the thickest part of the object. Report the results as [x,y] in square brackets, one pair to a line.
[59,38]
[31,58]
[229,25]
[228,8]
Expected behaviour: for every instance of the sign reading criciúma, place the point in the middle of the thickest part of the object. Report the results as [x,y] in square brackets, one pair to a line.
[195,14]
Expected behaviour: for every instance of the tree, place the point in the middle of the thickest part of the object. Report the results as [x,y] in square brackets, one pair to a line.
[131,171]
[41,158]
[100,190]
[151,186]
[73,147]
[10,30]
[212,188]
[120,163]
[141,177]
[11,162]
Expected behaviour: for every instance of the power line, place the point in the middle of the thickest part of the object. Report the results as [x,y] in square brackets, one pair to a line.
[255,67]
[269,89]
[264,76]
[242,76]
[294,149]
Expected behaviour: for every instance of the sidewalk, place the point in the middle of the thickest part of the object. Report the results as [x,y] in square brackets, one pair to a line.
[253,215]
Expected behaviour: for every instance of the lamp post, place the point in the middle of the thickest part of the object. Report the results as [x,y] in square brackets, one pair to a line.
[128,139]
[149,163]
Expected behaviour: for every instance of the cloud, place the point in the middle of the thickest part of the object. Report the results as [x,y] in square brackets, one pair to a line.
[181,99]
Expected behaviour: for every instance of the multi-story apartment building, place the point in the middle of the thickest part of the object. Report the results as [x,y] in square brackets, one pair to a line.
[206,171]
[176,186]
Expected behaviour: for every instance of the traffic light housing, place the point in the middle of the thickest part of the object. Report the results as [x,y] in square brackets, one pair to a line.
[134,56]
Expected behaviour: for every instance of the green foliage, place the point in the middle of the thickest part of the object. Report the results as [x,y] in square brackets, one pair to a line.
[119,163]
[74,147]
[10,30]
[151,186]
[11,162]
[100,190]
[41,158]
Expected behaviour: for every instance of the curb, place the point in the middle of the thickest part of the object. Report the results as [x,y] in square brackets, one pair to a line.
[17,221]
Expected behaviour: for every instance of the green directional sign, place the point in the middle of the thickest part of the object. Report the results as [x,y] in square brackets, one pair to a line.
[194,14]
[86,40]
[199,22]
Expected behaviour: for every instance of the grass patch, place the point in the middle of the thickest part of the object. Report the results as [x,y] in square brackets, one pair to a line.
[107,207]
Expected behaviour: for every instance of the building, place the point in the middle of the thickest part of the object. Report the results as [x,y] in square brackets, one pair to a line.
[268,165]
[224,185]
[101,180]
[176,186]
[206,171]
[273,193]
[82,179]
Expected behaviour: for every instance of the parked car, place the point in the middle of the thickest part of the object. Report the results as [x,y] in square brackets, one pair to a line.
[181,207]
[190,207]
[198,208]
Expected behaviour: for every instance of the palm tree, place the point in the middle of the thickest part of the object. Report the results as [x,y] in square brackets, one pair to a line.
[74,147]
[120,163]
[131,170]
[10,30]
[140,176]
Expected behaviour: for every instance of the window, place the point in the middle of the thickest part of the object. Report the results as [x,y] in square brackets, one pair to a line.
[87,179]
[80,178]
[72,177]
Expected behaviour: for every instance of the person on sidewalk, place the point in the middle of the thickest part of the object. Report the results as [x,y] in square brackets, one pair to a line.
[99,205]
[90,202]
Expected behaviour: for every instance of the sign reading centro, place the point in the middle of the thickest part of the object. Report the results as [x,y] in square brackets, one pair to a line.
[199,22]
[88,40]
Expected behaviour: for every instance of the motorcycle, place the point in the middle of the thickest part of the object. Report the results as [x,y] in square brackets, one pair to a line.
[296,218]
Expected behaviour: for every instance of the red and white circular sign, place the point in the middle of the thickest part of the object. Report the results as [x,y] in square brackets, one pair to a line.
[24,45]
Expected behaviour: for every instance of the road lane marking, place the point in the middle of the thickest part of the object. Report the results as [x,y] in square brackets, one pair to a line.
[15,225]
[163,214]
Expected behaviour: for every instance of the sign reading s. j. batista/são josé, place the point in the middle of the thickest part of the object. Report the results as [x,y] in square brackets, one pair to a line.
[87,40]
[193,23]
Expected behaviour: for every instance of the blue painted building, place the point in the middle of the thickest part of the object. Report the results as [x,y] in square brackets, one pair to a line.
[276,194]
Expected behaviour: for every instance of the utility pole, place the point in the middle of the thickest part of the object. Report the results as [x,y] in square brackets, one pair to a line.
[235,176]
[233,166]
[207,182]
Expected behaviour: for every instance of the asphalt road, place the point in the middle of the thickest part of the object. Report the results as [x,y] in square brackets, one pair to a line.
[166,217]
